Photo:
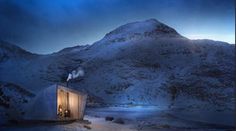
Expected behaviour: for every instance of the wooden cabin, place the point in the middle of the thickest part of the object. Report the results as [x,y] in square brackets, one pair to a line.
[57,103]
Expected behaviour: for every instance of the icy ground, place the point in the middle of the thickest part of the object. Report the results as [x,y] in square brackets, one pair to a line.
[140,118]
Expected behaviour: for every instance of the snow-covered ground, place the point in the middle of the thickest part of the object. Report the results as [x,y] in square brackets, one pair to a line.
[137,118]
[152,118]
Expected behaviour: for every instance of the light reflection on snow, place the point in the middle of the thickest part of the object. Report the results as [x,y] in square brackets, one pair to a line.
[136,108]
[135,112]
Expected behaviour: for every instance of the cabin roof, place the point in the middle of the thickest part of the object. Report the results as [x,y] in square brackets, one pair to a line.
[59,86]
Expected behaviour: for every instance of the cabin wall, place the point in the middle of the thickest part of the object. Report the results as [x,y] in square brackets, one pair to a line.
[82,103]
[44,105]
[74,105]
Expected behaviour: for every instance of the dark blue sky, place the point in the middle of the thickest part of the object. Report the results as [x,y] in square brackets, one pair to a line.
[45,26]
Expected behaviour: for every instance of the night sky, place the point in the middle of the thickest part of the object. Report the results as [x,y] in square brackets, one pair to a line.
[46,26]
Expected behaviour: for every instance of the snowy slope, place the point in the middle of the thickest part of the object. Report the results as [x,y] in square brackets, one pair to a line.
[13,100]
[146,62]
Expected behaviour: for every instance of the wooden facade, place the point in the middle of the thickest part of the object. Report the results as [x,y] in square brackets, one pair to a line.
[72,101]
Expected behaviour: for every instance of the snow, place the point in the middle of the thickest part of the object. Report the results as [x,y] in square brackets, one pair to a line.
[136,64]
[224,118]
[135,118]
[138,29]
[99,124]
[145,116]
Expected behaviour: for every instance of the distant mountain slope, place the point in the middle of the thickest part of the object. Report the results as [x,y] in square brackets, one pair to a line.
[146,62]
[10,51]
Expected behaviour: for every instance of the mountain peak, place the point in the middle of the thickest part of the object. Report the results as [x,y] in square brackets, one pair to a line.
[152,20]
[147,28]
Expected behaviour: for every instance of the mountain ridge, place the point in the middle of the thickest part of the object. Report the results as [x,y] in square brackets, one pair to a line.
[158,27]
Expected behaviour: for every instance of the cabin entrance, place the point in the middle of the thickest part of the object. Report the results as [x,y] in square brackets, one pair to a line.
[67,104]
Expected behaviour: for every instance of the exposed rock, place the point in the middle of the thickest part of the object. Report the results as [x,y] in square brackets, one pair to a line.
[109,118]
[119,121]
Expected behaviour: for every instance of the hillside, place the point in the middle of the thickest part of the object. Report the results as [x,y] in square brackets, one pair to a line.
[140,63]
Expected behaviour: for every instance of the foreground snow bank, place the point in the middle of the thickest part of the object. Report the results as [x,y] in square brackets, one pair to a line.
[97,124]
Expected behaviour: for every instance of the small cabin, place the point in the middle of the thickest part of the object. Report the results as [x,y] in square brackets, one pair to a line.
[57,103]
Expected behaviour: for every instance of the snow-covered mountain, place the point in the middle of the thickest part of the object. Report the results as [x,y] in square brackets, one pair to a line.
[144,63]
